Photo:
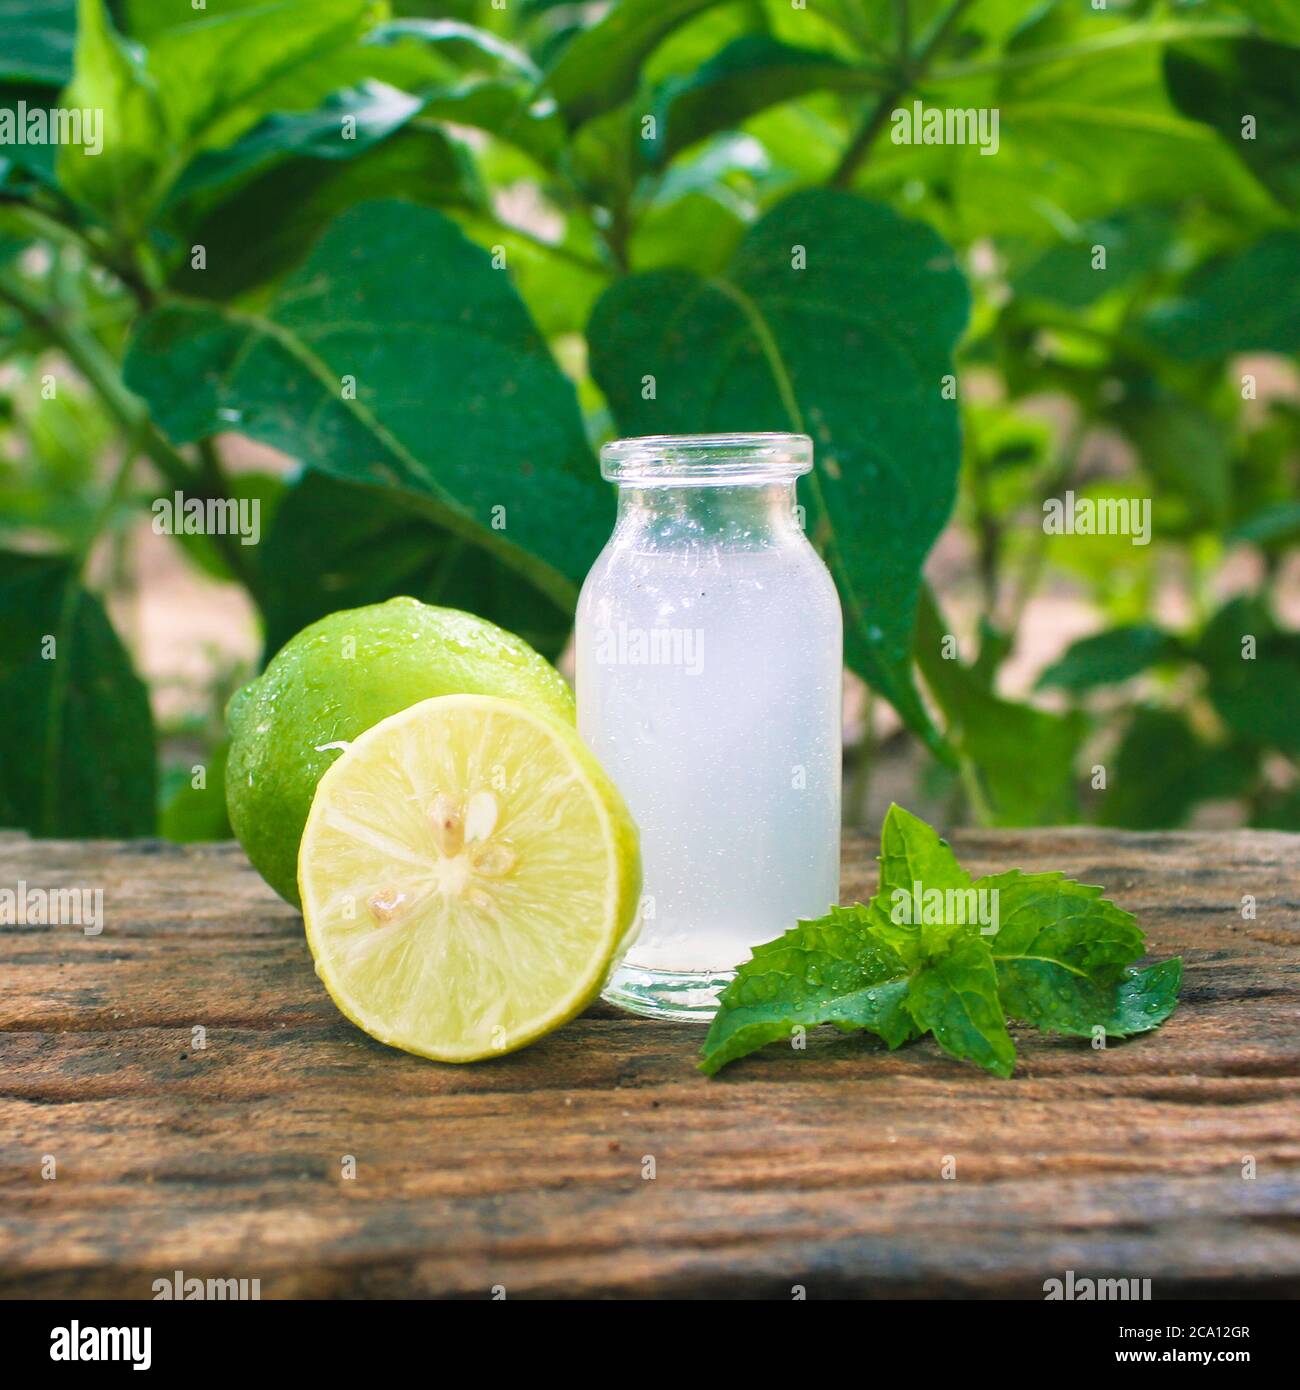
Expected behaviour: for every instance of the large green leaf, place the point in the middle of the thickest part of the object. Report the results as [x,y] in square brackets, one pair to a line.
[38,40]
[599,66]
[1118,654]
[343,545]
[406,53]
[76,743]
[368,113]
[145,20]
[1223,83]
[1185,449]
[852,350]
[266,227]
[463,44]
[111,78]
[198,87]
[217,80]
[748,75]
[1022,758]
[697,230]
[504,108]
[1254,673]
[1246,302]
[1278,522]
[1161,770]
[1137,241]
[457,402]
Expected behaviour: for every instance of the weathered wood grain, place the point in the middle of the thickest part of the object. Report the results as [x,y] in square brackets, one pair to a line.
[821,1169]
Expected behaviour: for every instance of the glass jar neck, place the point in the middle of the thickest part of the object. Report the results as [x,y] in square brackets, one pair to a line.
[749,513]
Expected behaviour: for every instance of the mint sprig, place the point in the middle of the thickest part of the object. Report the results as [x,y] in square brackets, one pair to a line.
[937,952]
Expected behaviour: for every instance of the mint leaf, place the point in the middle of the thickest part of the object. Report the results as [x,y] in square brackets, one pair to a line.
[910,961]
[1063,953]
[934,952]
[956,998]
[832,970]
[1053,918]
[1145,998]
[1059,1002]
[914,860]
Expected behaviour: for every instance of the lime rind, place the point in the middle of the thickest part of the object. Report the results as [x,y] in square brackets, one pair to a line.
[338,677]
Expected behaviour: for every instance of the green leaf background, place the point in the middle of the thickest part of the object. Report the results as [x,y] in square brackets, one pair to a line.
[506,249]
[458,404]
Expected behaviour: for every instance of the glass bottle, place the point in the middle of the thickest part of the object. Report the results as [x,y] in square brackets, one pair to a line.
[709,654]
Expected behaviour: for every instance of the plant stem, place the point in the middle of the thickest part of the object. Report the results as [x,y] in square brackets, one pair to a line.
[91,360]
[44,224]
[1032,568]
[987,531]
[109,503]
[978,802]
[210,469]
[912,69]
[93,245]
[931,627]
[216,483]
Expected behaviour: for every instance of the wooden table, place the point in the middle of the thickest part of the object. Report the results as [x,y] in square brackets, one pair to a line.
[822,1169]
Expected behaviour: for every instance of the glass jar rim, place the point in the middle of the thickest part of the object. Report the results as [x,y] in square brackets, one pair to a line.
[684,460]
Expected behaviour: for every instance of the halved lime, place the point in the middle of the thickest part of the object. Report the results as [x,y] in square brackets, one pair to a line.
[468,876]
[333,681]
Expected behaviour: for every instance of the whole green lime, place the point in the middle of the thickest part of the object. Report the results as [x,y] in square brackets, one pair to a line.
[337,678]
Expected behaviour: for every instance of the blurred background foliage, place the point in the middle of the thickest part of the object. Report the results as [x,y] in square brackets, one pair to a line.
[295,194]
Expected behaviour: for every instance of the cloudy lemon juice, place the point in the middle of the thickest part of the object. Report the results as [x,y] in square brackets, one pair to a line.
[709,648]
